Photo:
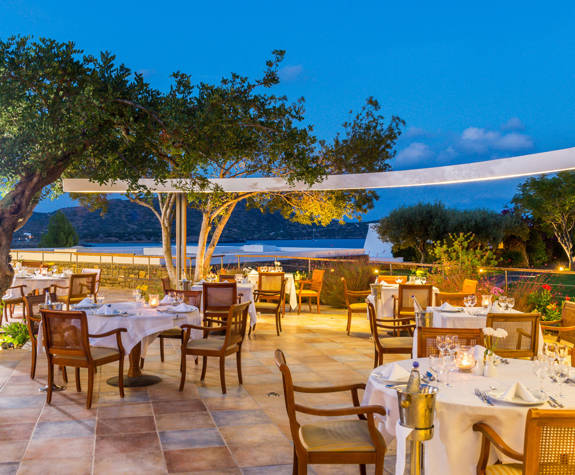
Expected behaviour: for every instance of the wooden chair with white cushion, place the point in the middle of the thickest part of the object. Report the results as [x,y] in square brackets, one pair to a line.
[386,344]
[79,287]
[452,298]
[270,296]
[522,334]
[311,289]
[333,441]
[548,449]
[98,273]
[469,286]
[392,279]
[565,327]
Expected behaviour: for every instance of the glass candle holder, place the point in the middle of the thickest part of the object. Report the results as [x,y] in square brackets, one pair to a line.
[486,300]
[154,300]
[464,360]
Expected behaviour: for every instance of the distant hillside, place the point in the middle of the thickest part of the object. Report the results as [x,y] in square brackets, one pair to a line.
[126,221]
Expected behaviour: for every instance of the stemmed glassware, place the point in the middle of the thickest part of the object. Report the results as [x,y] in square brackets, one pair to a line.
[502,302]
[561,374]
[510,303]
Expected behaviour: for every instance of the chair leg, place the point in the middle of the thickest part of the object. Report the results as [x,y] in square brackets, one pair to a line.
[141,363]
[33,361]
[299,304]
[64,374]
[239,365]
[318,309]
[50,382]
[309,303]
[162,349]
[90,387]
[375,358]
[379,466]
[295,466]
[278,324]
[362,470]
[183,371]
[348,329]
[204,367]
[301,467]
[223,373]
[77,375]
[121,376]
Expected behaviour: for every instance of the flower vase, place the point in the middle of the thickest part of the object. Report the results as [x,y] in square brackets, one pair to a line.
[489,369]
[478,368]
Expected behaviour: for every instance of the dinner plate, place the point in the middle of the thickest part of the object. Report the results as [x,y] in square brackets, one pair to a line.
[541,398]
[379,378]
[452,310]
[86,307]
[174,312]
[115,314]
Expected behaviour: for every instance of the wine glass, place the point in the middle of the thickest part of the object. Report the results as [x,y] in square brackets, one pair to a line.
[472,300]
[502,302]
[398,280]
[561,373]
[562,352]
[510,303]
[452,344]
[541,370]
[441,344]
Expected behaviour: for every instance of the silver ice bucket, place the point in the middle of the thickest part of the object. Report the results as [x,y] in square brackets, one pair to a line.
[424,319]
[416,410]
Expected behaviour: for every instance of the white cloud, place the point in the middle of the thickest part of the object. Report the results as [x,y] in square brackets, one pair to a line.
[479,140]
[413,132]
[290,73]
[447,154]
[414,153]
[513,124]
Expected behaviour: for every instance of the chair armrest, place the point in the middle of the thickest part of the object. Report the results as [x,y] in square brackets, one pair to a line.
[497,441]
[344,411]
[186,326]
[559,329]
[358,293]
[267,293]
[56,286]
[329,389]
[111,332]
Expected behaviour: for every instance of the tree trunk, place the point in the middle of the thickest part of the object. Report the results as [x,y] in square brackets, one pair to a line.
[167,249]
[200,269]
[6,271]
[218,232]
[564,237]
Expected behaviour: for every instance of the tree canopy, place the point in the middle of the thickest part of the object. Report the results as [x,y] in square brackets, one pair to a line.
[551,200]
[60,232]
[64,112]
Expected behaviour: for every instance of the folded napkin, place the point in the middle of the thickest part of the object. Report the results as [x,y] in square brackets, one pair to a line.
[107,309]
[518,392]
[87,302]
[183,308]
[167,300]
[394,372]
[447,306]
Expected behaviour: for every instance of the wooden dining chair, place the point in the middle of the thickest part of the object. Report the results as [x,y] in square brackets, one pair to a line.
[217,347]
[565,327]
[341,441]
[191,297]
[66,340]
[404,302]
[79,287]
[227,278]
[452,298]
[386,344]
[98,273]
[469,286]
[426,338]
[355,302]
[270,296]
[392,279]
[33,321]
[548,448]
[522,339]
[167,285]
[311,289]
[14,297]
[217,299]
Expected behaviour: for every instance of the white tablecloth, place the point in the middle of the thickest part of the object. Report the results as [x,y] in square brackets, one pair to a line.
[141,322]
[455,448]
[40,283]
[290,288]
[246,291]
[384,305]
[476,318]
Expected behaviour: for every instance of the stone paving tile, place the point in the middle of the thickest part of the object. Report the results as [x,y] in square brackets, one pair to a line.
[159,429]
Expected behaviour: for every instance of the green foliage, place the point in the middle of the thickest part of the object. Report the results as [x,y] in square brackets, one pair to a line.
[544,301]
[15,333]
[459,254]
[551,200]
[357,277]
[60,232]
[537,250]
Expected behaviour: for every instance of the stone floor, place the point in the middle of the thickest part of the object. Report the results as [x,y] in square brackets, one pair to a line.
[160,430]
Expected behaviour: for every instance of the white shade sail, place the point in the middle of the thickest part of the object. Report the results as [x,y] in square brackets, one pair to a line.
[524,165]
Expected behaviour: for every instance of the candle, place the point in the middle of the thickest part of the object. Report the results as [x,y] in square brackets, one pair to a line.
[154,300]
[485,300]
[464,359]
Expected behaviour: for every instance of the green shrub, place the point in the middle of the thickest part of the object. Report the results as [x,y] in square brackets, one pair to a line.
[357,277]
[15,333]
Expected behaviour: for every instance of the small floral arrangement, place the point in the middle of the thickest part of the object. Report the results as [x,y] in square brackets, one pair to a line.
[496,292]
[299,275]
[143,288]
[544,301]
[490,337]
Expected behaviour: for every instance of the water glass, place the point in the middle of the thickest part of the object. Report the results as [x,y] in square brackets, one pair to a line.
[472,300]
[541,366]
[561,373]
[502,302]
[510,303]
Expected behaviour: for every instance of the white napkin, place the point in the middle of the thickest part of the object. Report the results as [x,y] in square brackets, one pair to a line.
[87,302]
[518,392]
[478,352]
[394,372]
[401,435]
[107,309]
[253,272]
[183,308]
[167,300]
[447,306]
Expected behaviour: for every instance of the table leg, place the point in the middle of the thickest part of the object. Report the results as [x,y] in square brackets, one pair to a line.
[135,378]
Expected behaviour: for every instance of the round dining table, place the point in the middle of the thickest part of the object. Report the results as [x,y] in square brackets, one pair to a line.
[38,283]
[455,447]
[143,323]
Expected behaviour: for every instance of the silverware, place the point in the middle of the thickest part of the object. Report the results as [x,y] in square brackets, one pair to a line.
[483,396]
[557,403]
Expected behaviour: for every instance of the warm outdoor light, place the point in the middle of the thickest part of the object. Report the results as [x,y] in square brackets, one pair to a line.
[481,271]
[561,268]
[376,271]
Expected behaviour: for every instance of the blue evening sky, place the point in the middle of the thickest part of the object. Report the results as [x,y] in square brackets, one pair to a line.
[472,80]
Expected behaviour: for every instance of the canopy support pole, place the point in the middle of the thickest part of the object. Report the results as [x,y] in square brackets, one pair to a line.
[181,237]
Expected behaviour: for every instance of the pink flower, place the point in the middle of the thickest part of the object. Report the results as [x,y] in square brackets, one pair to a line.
[496,291]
